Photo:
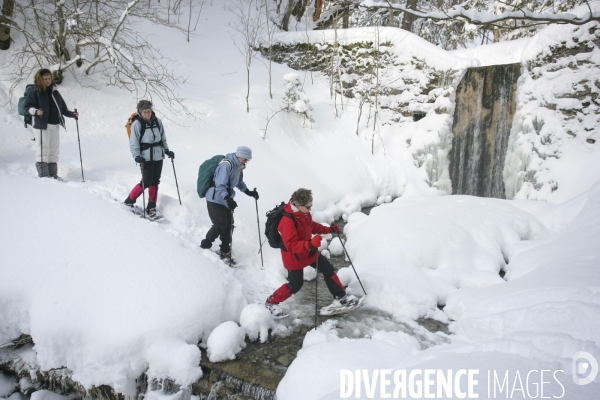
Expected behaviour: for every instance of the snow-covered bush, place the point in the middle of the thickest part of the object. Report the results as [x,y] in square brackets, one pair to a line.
[335,247]
[256,321]
[225,341]
[294,99]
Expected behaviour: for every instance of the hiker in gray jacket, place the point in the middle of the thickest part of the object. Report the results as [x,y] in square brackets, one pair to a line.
[148,145]
[220,198]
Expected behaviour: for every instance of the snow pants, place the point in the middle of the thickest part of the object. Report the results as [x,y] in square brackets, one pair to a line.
[222,219]
[151,173]
[47,148]
[296,280]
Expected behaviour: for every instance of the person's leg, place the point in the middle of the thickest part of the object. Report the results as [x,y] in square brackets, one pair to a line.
[41,152]
[285,291]
[226,234]
[331,279]
[218,216]
[53,139]
[153,187]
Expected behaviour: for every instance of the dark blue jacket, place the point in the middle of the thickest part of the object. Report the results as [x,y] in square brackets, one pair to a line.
[41,101]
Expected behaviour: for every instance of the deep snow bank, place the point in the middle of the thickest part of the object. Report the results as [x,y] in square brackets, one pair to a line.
[101,291]
[547,311]
[411,254]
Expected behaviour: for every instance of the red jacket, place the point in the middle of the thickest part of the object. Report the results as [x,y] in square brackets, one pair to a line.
[294,239]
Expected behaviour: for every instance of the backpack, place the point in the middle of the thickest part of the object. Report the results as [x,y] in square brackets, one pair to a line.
[130,121]
[206,174]
[27,118]
[271,232]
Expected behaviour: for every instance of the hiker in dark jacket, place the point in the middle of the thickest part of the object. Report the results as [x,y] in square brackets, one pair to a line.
[148,146]
[220,199]
[49,111]
[302,250]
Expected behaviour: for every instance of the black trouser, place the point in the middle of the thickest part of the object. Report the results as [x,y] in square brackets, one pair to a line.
[151,172]
[222,219]
[296,277]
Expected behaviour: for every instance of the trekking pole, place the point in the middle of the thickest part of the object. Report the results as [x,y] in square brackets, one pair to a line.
[259,238]
[79,141]
[347,255]
[317,291]
[176,184]
[143,190]
[41,153]
[231,243]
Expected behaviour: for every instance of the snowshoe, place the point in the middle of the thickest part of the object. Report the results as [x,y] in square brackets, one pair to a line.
[155,216]
[227,258]
[276,311]
[345,304]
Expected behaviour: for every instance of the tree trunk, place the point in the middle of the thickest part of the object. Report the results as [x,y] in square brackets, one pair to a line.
[346,18]
[8,7]
[285,23]
[318,9]
[496,35]
[408,19]
[300,9]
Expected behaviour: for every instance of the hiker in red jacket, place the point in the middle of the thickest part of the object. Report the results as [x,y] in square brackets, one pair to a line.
[301,251]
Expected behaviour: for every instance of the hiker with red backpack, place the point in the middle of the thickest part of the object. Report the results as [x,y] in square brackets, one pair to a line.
[48,109]
[300,249]
[148,146]
[220,197]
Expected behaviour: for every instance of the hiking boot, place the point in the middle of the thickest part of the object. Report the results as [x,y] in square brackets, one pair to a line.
[151,206]
[348,300]
[129,202]
[275,310]
[205,244]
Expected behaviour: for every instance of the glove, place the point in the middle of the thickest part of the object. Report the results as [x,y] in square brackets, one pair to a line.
[231,204]
[140,159]
[170,154]
[314,244]
[251,193]
[334,227]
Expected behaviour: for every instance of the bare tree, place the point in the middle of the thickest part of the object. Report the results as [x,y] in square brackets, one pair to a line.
[8,7]
[270,25]
[247,28]
[100,38]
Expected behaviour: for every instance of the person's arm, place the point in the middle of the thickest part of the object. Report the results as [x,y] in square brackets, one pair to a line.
[65,110]
[163,137]
[134,139]
[241,184]
[318,229]
[222,179]
[31,102]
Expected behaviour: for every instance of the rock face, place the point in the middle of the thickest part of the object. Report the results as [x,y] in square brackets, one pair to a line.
[485,107]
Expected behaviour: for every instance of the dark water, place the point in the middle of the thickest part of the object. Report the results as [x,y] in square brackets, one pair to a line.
[485,107]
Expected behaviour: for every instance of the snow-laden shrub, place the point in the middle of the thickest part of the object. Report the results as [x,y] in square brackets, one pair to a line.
[294,99]
[225,341]
[256,321]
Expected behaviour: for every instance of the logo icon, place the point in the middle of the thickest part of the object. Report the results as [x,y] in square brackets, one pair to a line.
[584,367]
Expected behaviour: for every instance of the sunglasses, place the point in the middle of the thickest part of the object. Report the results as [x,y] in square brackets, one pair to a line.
[308,207]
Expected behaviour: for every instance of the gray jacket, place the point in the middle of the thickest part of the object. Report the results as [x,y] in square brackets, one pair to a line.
[153,143]
[226,179]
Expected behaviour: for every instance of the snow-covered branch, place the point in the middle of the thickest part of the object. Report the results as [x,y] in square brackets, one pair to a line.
[475,17]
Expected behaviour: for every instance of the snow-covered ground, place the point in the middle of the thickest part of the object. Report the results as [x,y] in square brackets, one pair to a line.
[109,295]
